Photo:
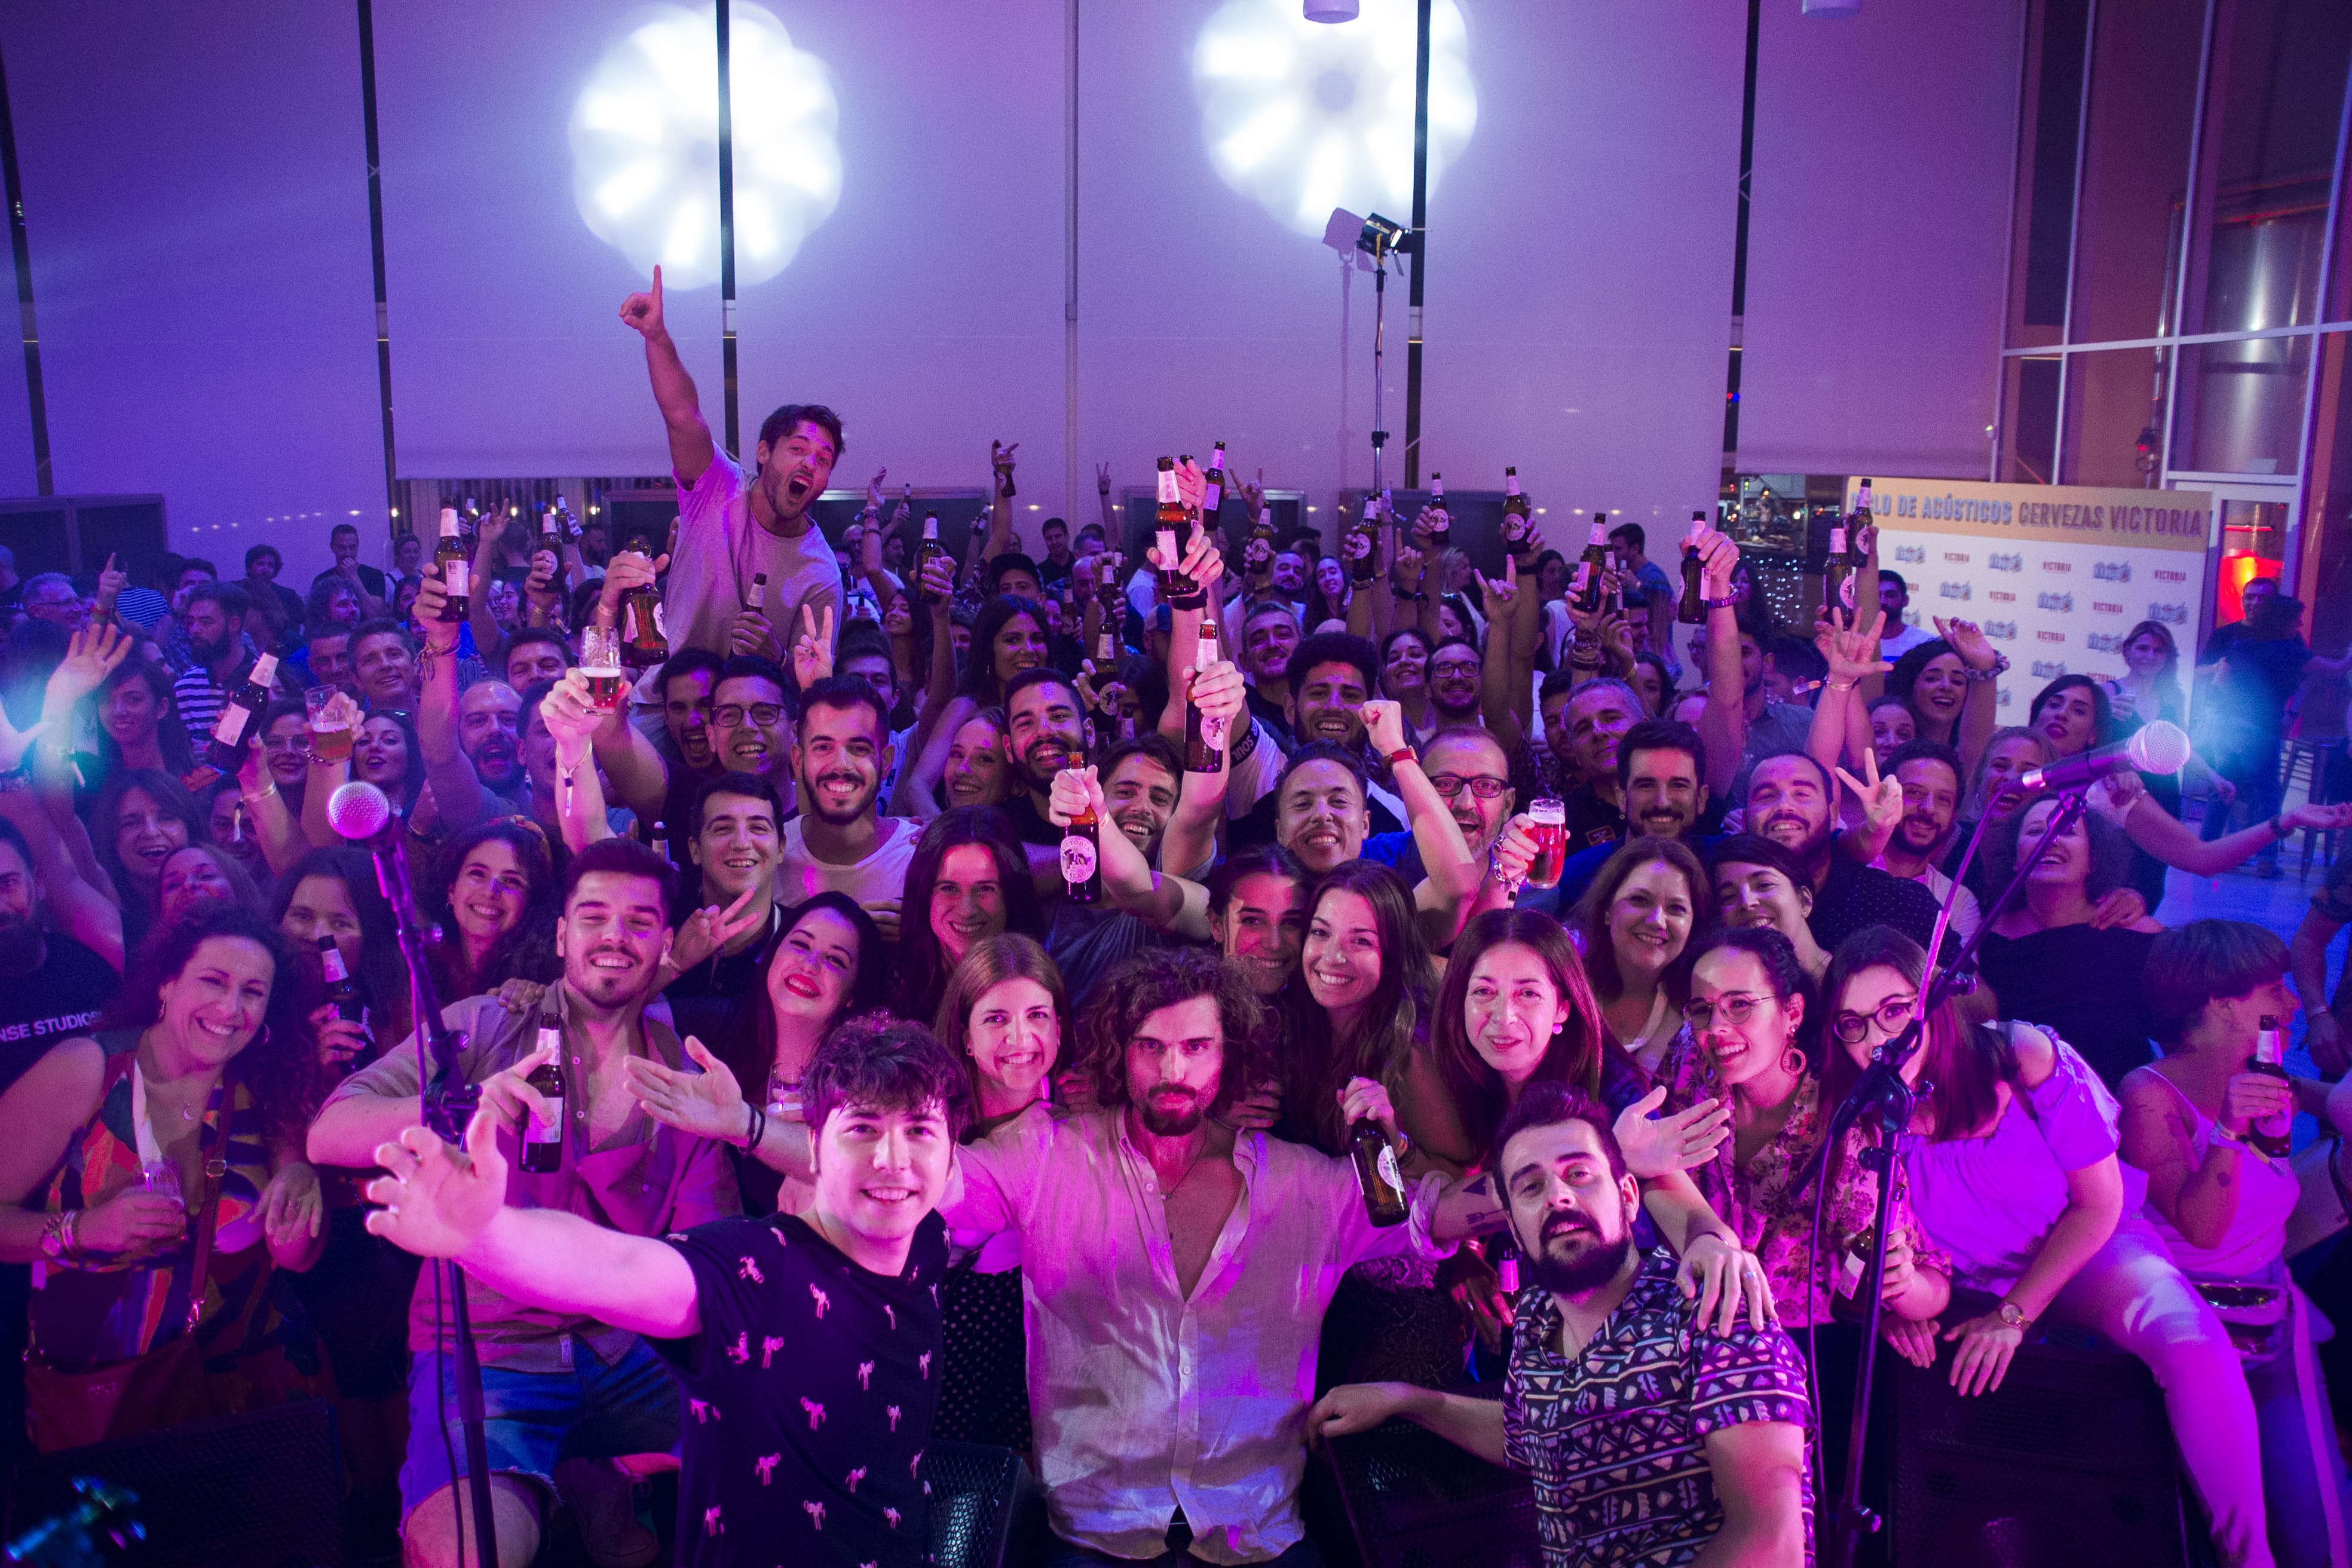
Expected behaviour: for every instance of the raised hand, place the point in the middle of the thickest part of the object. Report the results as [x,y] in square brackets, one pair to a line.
[644,311]
[1073,791]
[1253,493]
[92,655]
[1658,1146]
[712,928]
[1102,479]
[813,649]
[571,715]
[432,602]
[1852,654]
[1967,640]
[1362,1098]
[708,1104]
[1718,557]
[1384,721]
[1881,798]
[436,1200]
[1220,692]
[111,581]
[874,491]
[628,569]
[1192,484]
[937,580]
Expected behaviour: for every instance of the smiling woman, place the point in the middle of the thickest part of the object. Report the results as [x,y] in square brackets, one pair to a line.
[493,903]
[969,880]
[136,821]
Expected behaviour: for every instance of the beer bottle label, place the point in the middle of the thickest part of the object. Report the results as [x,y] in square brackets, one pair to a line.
[231,728]
[629,622]
[1213,731]
[542,1129]
[1845,590]
[1079,858]
[1388,1168]
[1359,545]
[1168,548]
[457,578]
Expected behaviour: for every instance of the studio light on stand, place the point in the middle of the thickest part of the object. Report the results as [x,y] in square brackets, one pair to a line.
[1379,238]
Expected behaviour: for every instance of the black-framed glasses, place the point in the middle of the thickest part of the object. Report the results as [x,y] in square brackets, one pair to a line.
[1736,1007]
[1448,785]
[764,714]
[1891,1015]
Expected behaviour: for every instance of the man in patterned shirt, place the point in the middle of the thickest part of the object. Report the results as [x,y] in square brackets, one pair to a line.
[1650,1439]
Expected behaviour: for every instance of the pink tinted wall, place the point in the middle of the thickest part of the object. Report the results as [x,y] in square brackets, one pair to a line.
[1879,246]
[195,182]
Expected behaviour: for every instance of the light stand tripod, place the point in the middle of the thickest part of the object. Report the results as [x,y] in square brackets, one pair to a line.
[1380,239]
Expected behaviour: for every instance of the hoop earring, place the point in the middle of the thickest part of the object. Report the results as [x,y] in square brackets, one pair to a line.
[1796,1068]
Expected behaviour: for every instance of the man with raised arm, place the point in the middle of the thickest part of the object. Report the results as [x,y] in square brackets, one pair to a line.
[733,526]
[808,1347]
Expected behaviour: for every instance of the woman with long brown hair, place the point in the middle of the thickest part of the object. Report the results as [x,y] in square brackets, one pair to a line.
[969,879]
[1006,1014]
[1635,922]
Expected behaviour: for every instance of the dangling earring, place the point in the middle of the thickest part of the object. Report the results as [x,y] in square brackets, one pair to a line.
[1792,1060]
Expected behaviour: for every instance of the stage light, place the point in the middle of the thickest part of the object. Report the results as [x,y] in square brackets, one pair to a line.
[645,146]
[1302,118]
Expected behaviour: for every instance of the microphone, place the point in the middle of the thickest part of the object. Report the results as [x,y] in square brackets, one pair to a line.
[2155,748]
[358,811]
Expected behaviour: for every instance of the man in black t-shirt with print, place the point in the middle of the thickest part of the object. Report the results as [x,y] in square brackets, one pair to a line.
[808,1348]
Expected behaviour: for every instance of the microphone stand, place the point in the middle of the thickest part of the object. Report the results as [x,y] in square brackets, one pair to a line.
[1882,1096]
[447,1103]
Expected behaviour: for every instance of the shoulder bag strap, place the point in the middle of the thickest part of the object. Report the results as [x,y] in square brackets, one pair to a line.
[216,1147]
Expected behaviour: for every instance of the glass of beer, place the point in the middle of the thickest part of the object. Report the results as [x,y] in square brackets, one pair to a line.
[1549,819]
[331,723]
[600,661]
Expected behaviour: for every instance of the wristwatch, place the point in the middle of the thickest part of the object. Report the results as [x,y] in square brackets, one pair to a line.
[1403,754]
[2014,1316]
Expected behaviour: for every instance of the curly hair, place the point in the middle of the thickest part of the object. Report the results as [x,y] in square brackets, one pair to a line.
[890,1064]
[280,1063]
[528,951]
[2107,866]
[1159,977]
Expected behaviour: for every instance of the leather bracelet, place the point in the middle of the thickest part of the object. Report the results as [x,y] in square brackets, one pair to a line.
[1403,754]
[2223,1133]
[1727,602]
[2279,829]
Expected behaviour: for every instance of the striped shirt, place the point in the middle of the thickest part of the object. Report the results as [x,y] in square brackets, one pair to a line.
[1615,1440]
[199,699]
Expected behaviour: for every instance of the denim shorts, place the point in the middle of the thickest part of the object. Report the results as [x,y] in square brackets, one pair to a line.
[533,1419]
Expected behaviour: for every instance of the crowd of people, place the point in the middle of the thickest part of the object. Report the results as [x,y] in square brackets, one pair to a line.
[821,1115]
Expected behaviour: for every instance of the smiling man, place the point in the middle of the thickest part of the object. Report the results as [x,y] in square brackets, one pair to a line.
[732,526]
[1142,780]
[837,843]
[1596,716]
[1932,780]
[564,1383]
[1045,723]
[1792,801]
[1269,637]
[383,660]
[807,1346]
[1662,778]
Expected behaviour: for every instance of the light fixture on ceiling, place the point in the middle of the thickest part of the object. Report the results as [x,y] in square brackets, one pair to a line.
[1331,10]
[1830,10]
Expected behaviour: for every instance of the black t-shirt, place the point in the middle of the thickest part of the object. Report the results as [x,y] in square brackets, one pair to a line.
[1853,896]
[810,1392]
[57,1001]
[1029,825]
[1592,819]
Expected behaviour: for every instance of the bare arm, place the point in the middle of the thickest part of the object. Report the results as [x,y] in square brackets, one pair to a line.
[1163,900]
[459,797]
[1723,722]
[571,717]
[2307,957]
[2164,835]
[488,554]
[1189,842]
[1474,1425]
[691,447]
[1759,1469]
[83,913]
[2199,1197]
[57,1094]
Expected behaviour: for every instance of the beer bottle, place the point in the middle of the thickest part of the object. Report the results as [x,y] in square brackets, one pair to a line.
[1441,534]
[1174,529]
[1593,566]
[342,992]
[1376,1173]
[238,716]
[1257,555]
[1212,498]
[1516,518]
[1107,647]
[645,639]
[757,599]
[1837,575]
[550,532]
[1362,542]
[542,1140]
[658,841]
[456,564]
[1082,857]
[1204,737]
[931,550]
[1692,611]
[2271,1135]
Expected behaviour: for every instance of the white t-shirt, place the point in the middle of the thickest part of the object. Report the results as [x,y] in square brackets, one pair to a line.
[881,875]
[1900,640]
[721,548]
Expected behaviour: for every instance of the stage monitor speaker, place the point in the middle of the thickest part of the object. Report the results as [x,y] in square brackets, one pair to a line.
[1415,1500]
[261,1490]
[2069,1464]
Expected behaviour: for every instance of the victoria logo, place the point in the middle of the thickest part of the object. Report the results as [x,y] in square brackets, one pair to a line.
[2001,595]
[2047,669]
[2048,637]
[2166,575]
[2170,614]
[1956,557]
[2111,571]
[2062,602]
[2000,698]
[2005,631]
[2107,609]
[2058,566]
[2005,561]
[1910,555]
[1954,591]
[2103,642]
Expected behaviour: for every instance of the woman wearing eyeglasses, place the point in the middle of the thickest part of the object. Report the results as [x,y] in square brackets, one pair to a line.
[2015,1177]
[1751,1043]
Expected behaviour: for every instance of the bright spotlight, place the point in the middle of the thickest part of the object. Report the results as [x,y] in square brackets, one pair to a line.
[644,146]
[1302,118]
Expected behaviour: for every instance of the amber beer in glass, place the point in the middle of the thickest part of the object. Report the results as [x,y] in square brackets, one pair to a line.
[600,661]
[1549,819]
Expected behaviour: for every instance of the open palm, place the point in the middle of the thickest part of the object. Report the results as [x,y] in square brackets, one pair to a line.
[436,1200]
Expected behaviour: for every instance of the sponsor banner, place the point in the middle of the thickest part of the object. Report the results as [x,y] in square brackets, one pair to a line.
[2056,575]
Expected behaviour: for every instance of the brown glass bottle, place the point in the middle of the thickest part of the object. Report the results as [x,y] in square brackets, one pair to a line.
[455,562]
[1376,1173]
[644,640]
[224,754]
[1692,611]
[1172,525]
[1082,858]
[2271,1136]
[930,550]
[1204,737]
[542,1141]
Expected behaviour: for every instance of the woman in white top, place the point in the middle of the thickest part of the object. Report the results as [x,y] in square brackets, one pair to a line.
[1634,922]
[2222,1205]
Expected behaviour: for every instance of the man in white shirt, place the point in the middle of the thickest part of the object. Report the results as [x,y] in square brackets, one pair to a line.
[732,526]
[1930,772]
[837,842]
[1894,597]
[1172,1321]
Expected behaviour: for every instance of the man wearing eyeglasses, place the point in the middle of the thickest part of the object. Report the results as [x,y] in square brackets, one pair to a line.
[751,728]
[1468,770]
[1597,715]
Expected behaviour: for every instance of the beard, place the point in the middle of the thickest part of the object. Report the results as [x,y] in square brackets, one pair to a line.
[211,653]
[1919,835]
[1170,1122]
[1588,1268]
